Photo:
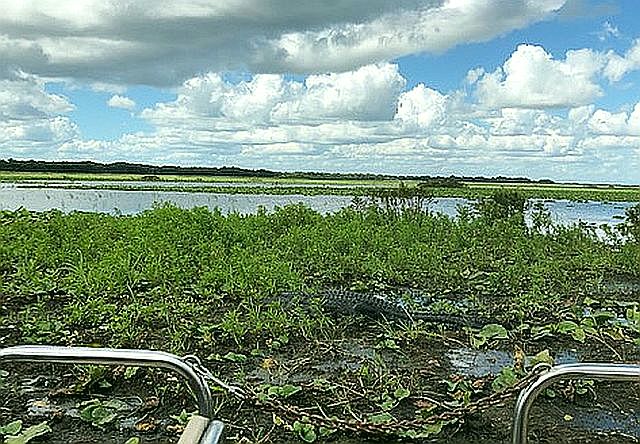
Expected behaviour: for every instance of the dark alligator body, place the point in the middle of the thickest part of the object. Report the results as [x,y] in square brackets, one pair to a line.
[383,306]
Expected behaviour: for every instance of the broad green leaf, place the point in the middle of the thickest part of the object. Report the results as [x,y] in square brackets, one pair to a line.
[284,391]
[306,432]
[493,331]
[507,378]
[235,357]
[579,335]
[30,433]
[13,428]
[324,431]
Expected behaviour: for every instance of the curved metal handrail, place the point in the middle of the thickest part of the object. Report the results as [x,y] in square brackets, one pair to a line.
[599,371]
[108,356]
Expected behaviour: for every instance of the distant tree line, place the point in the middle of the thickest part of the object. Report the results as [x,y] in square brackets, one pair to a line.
[153,170]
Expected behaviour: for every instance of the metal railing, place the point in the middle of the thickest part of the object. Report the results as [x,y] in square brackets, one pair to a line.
[611,372]
[139,358]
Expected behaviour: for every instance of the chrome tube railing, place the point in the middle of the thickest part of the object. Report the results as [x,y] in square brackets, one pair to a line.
[598,371]
[107,356]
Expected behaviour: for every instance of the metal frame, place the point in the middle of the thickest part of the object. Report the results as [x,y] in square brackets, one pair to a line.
[108,356]
[611,372]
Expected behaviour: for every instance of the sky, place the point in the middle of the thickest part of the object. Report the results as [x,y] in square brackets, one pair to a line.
[535,88]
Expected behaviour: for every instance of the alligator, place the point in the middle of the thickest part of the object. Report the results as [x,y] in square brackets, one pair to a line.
[383,306]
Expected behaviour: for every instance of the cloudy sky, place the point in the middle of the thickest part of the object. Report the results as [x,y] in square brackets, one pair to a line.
[536,88]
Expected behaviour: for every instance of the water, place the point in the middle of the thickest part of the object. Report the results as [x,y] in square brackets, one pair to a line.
[480,363]
[47,197]
[132,202]
[186,184]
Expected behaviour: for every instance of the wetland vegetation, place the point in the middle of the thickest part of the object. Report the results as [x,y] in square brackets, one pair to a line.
[200,282]
[473,188]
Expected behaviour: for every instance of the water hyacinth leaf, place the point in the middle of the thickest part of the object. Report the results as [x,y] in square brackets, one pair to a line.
[98,414]
[380,418]
[306,432]
[13,428]
[493,331]
[324,431]
[29,434]
[284,391]
[567,326]
[235,357]
[401,393]
[134,440]
[388,404]
[507,378]
[570,327]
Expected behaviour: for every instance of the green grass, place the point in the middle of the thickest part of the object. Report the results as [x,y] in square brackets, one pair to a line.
[197,281]
[181,270]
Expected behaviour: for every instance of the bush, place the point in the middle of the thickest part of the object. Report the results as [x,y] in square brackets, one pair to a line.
[503,205]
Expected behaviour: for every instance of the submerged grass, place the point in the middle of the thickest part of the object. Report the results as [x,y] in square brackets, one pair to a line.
[202,282]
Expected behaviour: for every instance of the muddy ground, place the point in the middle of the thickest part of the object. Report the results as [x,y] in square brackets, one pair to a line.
[151,400]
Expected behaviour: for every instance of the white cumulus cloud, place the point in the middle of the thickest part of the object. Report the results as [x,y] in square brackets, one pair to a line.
[118,101]
[532,78]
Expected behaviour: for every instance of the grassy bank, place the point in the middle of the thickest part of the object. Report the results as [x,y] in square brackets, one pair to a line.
[195,281]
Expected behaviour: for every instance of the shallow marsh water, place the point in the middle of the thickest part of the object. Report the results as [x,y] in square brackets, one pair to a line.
[14,196]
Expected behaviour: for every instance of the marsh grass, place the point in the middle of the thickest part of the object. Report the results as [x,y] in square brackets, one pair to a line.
[201,282]
[182,271]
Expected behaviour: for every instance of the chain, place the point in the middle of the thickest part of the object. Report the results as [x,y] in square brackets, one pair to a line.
[400,426]
[194,362]
[353,425]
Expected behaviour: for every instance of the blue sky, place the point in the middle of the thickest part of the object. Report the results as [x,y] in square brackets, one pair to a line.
[546,89]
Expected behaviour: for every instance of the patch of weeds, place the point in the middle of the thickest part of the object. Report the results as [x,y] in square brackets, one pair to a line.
[183,418]
[462,390]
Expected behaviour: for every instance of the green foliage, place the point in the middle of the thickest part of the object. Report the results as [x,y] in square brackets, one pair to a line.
[631,225]
[20,436]
[13,428]
[489,332]
[306,432]
[199,281]
[502,205]
[100,413]
[181,279]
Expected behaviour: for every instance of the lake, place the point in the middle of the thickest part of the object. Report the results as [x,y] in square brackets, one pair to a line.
[14,196]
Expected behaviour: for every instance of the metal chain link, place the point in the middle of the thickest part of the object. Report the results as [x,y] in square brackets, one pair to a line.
[196,364]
